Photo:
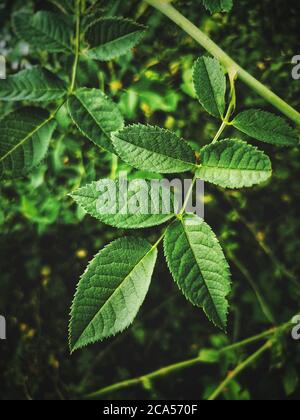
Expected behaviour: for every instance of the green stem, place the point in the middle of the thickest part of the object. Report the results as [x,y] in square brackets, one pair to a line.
[114,166]
[231,107]
[189,193]
[185,364]
[220,131]
[77,46]
[242,366]
[167,9]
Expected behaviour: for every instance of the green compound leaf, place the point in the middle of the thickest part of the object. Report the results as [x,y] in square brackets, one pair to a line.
[111,37]
[199,267]
[96,116]
[128,206]
[216,6]
[210,85]
[24,140]
[35,84]
[111,291]
[266,127]
[44,30]
[233,164]
[153,149]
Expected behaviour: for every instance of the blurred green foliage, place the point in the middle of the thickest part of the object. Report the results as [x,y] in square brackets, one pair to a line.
[46,242]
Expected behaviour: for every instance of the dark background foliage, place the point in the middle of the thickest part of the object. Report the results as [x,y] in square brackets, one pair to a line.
[46,242]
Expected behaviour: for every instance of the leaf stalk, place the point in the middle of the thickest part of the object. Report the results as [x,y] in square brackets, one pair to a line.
[78,6]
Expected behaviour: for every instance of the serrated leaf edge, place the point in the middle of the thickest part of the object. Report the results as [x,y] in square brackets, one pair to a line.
[75,194]
[226,267]
[279,117]
[255,148]
[93,341]
[193,166]
[194,84]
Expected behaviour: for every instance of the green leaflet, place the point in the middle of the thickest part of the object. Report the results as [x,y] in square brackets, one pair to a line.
[107,201]
[92,16]
[111,291]
[266,127]
[111,37]
[64,6]
[233,164]
[198,265]
[215,6]
[35,84]
[24,140]
[96,116]
[210,85]
[44,30]
[153,149]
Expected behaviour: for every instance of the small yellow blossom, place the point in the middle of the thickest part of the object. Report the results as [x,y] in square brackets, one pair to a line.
[46,271]
[208,198]
[260,236]
[286,198]
[261,65]
[24,327]
[45,282]
[151,75]
[81,253]
[174,67]
[31,333]
[53,362]
[146,109]
[116,85]
[170,122]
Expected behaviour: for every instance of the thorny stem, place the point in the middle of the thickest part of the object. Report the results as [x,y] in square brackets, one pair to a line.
[77,45]
[145,379]
[168,10]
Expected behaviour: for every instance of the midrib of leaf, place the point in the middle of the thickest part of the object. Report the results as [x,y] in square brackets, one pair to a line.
[43,89]
[115,291]
[211,84]
[114,41]
[18,84]
[203,278]
[193,165]
[238,170]
[26,138]
[29,91]
[97,122]
[58,41]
